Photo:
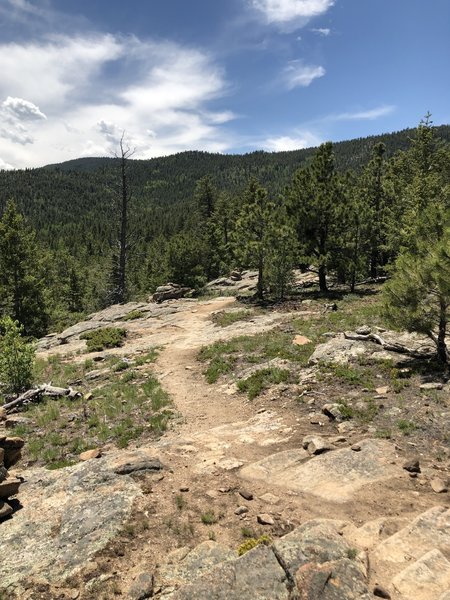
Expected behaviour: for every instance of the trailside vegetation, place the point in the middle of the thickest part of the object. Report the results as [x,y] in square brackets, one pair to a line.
[367,208]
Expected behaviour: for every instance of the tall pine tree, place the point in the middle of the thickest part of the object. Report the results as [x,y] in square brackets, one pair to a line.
[22,283]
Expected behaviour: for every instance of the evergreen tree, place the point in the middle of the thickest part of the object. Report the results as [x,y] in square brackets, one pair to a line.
[205,196]
[419,185]
[254,231]
[282,251]
[372,190]
[22,284]
[225,218]
[418,295]
[316,201]
[16,357]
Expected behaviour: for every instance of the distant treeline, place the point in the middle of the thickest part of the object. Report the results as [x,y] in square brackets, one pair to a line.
[193,216]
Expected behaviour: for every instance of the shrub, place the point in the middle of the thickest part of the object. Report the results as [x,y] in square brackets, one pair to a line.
[16,357]
[209,518]
[251,543]
[99,339]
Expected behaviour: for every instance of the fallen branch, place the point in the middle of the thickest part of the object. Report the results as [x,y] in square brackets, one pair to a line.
[390,346]
[35,395]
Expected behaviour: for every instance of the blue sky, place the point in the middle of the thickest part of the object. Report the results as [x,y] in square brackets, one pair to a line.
[217,75]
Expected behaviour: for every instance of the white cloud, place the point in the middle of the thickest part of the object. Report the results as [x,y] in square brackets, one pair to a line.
[323,31]
[300,140]
[298,74]
[16,114]
[72,96]
[370,115]
[21,109]
[291,14]
[4,166]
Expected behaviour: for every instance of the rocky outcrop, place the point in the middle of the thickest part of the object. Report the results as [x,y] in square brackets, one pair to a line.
[335,476]
[69,515]
[170,291]
[364,342]
[103,318]
[323,558]
[314,561]
[10,454]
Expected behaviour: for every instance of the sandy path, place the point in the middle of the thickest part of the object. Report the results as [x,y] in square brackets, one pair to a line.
[203,406]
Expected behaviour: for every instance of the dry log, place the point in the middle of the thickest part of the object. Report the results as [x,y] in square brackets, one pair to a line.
[35,395]
[390,346]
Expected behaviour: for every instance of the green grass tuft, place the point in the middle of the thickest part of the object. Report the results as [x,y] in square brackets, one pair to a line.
[99,339]
[261,380]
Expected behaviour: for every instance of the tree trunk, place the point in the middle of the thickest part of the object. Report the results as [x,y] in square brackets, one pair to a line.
[123,233]
[260,284]
[441,345]
[323,279]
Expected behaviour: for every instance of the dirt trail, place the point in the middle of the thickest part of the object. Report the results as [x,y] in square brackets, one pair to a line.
[201,405]
[221,428]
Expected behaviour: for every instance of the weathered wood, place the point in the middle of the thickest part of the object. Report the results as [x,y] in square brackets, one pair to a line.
[35,395]
[391,347]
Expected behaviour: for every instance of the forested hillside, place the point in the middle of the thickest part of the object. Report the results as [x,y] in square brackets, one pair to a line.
[194,216]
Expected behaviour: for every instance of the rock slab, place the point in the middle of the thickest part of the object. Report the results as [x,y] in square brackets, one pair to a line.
[335,476]
[80,508]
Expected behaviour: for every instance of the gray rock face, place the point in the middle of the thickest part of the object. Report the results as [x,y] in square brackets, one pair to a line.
[314,541]
[315,555]
[334,476]
[67,516]
[337,580]
[171,291]
[257,575]
[428,531]
[340,350]
[426,579]
[192,564]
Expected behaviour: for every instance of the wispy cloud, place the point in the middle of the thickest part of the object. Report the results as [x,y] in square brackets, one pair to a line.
[66,96]
[297,141]
[323,31]
[290,15]
[369,115]
[299,74]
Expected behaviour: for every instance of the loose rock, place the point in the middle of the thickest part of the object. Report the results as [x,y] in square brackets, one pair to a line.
[241,510]
[265,519]
[380,592]
[316,445]
[246,494]
[90,454]
[142,588]
[438,486]
[5,510]
[412,466]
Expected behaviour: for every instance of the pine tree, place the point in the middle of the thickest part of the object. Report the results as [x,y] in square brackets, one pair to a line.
[22,284]
[373,195]
[16,357]
[315,199]
[205,197]
[254,231]
[418,181]
[282,251]
[418,295]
